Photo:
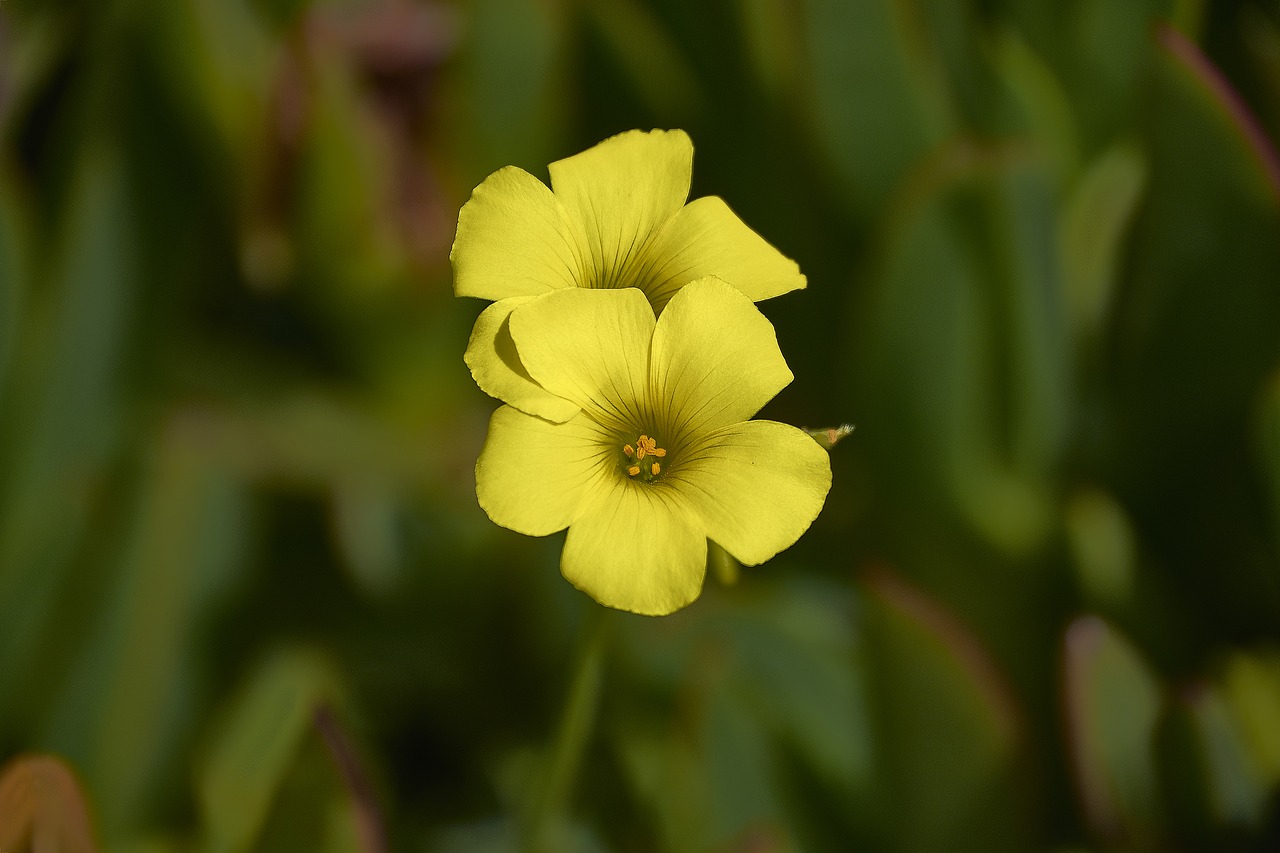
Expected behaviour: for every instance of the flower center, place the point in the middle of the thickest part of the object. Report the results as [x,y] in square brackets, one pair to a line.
[641,459]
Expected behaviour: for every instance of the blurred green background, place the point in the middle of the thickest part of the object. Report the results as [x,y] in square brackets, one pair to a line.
[246,593]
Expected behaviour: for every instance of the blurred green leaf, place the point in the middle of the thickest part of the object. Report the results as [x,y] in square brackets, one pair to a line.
[716,782]
[233,413]
[799,669]
[1251,687]
[1193,342]
[1106,47]
[61,423]
[550,796]
[36,40]
[1268,441]
[1225,792]
[125,701]
[651,59]
[947,733]
[1095,224]
[1042,101]
[771,680]
[669,779]
[742,773]
[366,513]
[1188,16]
[876,104]
[509,104]
[1031,318]
[310,811]
[345,234]
[219,62]
[14,268]
[963,346]
[265,733]
[1112,705]
[952,54]
[1103,548]
[1260,33]
[1209,217]
[774,38]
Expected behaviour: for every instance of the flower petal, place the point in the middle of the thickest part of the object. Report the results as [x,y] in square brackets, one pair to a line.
[707,238]
[638,548]
[756,485]
[496,367]
[513,239]
[534,477]
[620,193]
[715,358]
[590,347]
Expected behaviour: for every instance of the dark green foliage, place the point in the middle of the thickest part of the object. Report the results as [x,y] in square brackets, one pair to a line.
[245,589]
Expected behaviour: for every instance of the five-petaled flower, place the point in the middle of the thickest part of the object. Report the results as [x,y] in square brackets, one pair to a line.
[614,217]
[655,453]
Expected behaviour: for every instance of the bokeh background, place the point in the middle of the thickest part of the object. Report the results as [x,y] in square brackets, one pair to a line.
[248,601]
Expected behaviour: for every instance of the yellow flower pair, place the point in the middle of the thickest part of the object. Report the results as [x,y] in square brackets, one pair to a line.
[625,345]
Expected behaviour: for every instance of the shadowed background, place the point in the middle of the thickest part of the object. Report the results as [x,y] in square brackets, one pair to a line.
[248,600]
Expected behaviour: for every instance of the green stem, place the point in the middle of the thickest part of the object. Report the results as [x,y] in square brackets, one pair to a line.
[551,804]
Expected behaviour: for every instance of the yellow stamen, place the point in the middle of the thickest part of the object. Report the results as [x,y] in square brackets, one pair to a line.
[644,446]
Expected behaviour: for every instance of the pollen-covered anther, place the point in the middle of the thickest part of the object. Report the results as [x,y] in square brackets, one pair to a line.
[644,446]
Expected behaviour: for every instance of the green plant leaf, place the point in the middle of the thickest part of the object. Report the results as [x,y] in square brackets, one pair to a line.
[1042,103]
[1251,689]
[1103,546]
[61,423]
[122,708]
[265,774]
[1113,705]
[963,347]
[947,733]
[1220,787]
[876,106]
[649,56]
[14,255]
[1268,443]
[510,98]
[1095,225]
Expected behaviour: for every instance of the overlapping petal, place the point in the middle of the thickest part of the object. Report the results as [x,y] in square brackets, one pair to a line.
[615,218]
[514,239]
[589,347]
[706,238]
[620,193]
[590,371]
[496,367]
[638,548]
[535,477]
[756,486]
[715,358]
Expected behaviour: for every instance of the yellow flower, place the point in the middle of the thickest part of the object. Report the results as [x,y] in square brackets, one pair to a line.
[658,454]
[615,217]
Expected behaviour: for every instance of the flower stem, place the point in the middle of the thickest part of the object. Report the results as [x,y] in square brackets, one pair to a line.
[551,804]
